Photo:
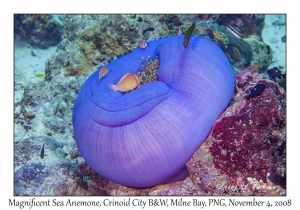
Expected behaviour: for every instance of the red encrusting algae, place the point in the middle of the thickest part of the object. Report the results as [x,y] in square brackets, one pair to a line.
[245,143]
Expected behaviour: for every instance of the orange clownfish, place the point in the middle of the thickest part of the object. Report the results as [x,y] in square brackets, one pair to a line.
[237,53]
[142,44]
[130,81]
[103,72]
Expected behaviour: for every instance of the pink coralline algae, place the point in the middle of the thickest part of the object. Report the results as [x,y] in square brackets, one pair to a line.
[249,137]
[246,143]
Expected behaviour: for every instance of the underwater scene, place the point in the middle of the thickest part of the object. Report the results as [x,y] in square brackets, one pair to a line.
[140,104]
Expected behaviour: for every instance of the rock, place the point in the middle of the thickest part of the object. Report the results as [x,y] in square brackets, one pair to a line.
[248,139]
[38,30]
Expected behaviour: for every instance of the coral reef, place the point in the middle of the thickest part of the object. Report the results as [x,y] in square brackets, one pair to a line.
[273,34]
[114,38]
[38,30]
[91,41]
[46,119]
[60,172]
[251,49]
[247,141]
[30,176]
[260,54]
[42,111]
[249,24]
[171,20]
[184,27]
[245,47]
[101,39]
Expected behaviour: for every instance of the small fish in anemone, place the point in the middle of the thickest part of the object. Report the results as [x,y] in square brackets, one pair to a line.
[146,137]
[142,44]
[128,82]
[103,72]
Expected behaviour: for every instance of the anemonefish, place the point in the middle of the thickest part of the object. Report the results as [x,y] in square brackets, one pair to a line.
[103,72]
[254,67]
[128,82]
[237,53]
[142,44]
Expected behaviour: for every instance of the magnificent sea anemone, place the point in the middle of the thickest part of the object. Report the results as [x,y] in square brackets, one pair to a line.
[145,137]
